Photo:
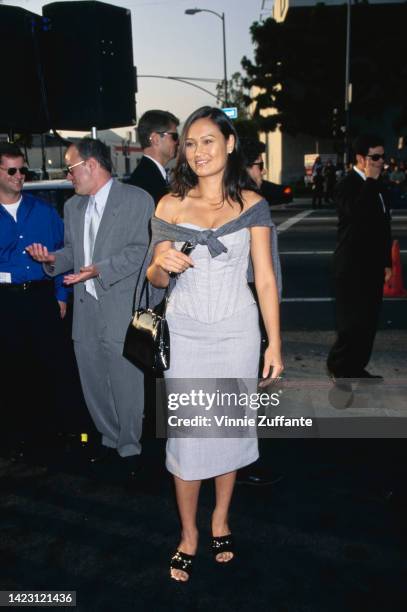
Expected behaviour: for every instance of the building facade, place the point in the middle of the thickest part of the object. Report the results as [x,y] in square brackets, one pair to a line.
[285,153]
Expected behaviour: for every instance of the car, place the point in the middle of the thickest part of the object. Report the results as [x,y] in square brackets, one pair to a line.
[276,194]
[54,191]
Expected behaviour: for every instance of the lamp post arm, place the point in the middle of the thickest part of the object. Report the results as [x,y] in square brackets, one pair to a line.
[220,15]
[180,80]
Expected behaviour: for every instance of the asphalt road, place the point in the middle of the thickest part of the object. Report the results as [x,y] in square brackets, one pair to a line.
[306,242]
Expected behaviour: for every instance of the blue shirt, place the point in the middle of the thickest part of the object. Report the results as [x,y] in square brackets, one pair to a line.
[37,221]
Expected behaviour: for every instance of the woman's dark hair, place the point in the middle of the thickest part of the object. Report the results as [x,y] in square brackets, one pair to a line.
[235,177]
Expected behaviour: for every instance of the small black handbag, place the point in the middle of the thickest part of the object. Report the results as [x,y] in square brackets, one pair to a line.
[147,342]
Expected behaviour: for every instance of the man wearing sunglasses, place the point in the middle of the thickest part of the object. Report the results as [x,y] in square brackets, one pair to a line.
[31,304]
[362,259]
[158,136]
[106,241]
[253,150]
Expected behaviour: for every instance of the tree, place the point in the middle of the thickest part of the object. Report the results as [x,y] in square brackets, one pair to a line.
[300,67]
[237,94]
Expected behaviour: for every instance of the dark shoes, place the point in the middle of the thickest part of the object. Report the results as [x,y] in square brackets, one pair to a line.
[107,465]
[132,465]
[222,544]
[257,476]
[341,394]
[364,374]
[104,455]
[373,377]
[183,562]
[16,452]
[101,454]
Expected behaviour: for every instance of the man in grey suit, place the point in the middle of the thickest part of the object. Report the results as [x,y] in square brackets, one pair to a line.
[106,240]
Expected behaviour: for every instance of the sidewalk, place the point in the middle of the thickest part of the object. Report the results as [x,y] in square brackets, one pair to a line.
[325,538]
[305,353]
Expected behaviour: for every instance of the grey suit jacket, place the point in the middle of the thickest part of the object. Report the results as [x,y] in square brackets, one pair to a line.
[120,249]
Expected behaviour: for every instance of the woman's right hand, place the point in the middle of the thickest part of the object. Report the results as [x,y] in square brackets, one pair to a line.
[174,261]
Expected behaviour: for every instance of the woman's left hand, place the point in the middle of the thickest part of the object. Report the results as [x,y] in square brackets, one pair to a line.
[273,361]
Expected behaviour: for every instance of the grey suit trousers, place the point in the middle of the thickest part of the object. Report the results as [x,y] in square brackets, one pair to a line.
[112,386]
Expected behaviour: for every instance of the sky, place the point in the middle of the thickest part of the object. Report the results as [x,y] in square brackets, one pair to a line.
[167,42]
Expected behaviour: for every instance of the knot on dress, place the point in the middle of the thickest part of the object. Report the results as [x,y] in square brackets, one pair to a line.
[208,238]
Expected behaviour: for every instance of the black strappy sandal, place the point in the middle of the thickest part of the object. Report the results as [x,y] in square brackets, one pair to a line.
[181,561]
[223,544]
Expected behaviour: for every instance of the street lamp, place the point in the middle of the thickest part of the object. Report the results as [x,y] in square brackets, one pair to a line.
[222,18]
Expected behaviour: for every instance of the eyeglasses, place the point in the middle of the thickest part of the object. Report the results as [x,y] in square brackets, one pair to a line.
[13,171]
[174,135]
[68,169]
[376,156]
[260,164]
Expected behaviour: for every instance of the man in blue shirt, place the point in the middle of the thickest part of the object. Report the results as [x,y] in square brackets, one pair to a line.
[31,305]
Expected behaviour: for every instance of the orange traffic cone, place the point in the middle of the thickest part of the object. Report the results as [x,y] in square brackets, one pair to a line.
[394,287]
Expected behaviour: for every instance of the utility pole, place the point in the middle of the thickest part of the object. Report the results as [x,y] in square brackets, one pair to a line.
[348,85]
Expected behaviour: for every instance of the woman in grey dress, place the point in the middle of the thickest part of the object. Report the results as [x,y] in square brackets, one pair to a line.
[212,315]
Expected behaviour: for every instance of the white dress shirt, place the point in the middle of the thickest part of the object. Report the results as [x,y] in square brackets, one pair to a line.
[94,214]
[363,175]
[159,166]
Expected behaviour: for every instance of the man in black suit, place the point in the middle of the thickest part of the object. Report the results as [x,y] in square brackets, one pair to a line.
[362,260]
[158,136]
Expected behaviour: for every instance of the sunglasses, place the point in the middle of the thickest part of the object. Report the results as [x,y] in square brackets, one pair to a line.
[174,135]
[68,169]
[260,164]
[376,156]
[13,171]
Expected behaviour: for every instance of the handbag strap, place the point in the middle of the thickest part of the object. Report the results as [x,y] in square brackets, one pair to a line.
[143,289]
[173,276]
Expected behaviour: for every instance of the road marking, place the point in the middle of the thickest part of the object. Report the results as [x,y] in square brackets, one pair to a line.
[307,252]
[402,252]
[332,299]
[335,218]
[292,220]
[311,299]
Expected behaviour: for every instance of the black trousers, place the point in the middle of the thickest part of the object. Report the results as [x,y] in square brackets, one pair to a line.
[34,382]
[358,305]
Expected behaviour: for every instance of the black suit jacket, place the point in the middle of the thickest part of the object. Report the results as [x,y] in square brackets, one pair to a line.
[148,177]
[364,238]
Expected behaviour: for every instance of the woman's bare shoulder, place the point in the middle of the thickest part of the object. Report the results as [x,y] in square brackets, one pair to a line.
[167,207]
[250,198]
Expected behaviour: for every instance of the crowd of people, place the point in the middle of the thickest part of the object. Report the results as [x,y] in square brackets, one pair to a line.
[114,235]
[325,176]
[395,176]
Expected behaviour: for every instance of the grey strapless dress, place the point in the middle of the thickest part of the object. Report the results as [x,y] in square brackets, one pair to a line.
[214,327]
